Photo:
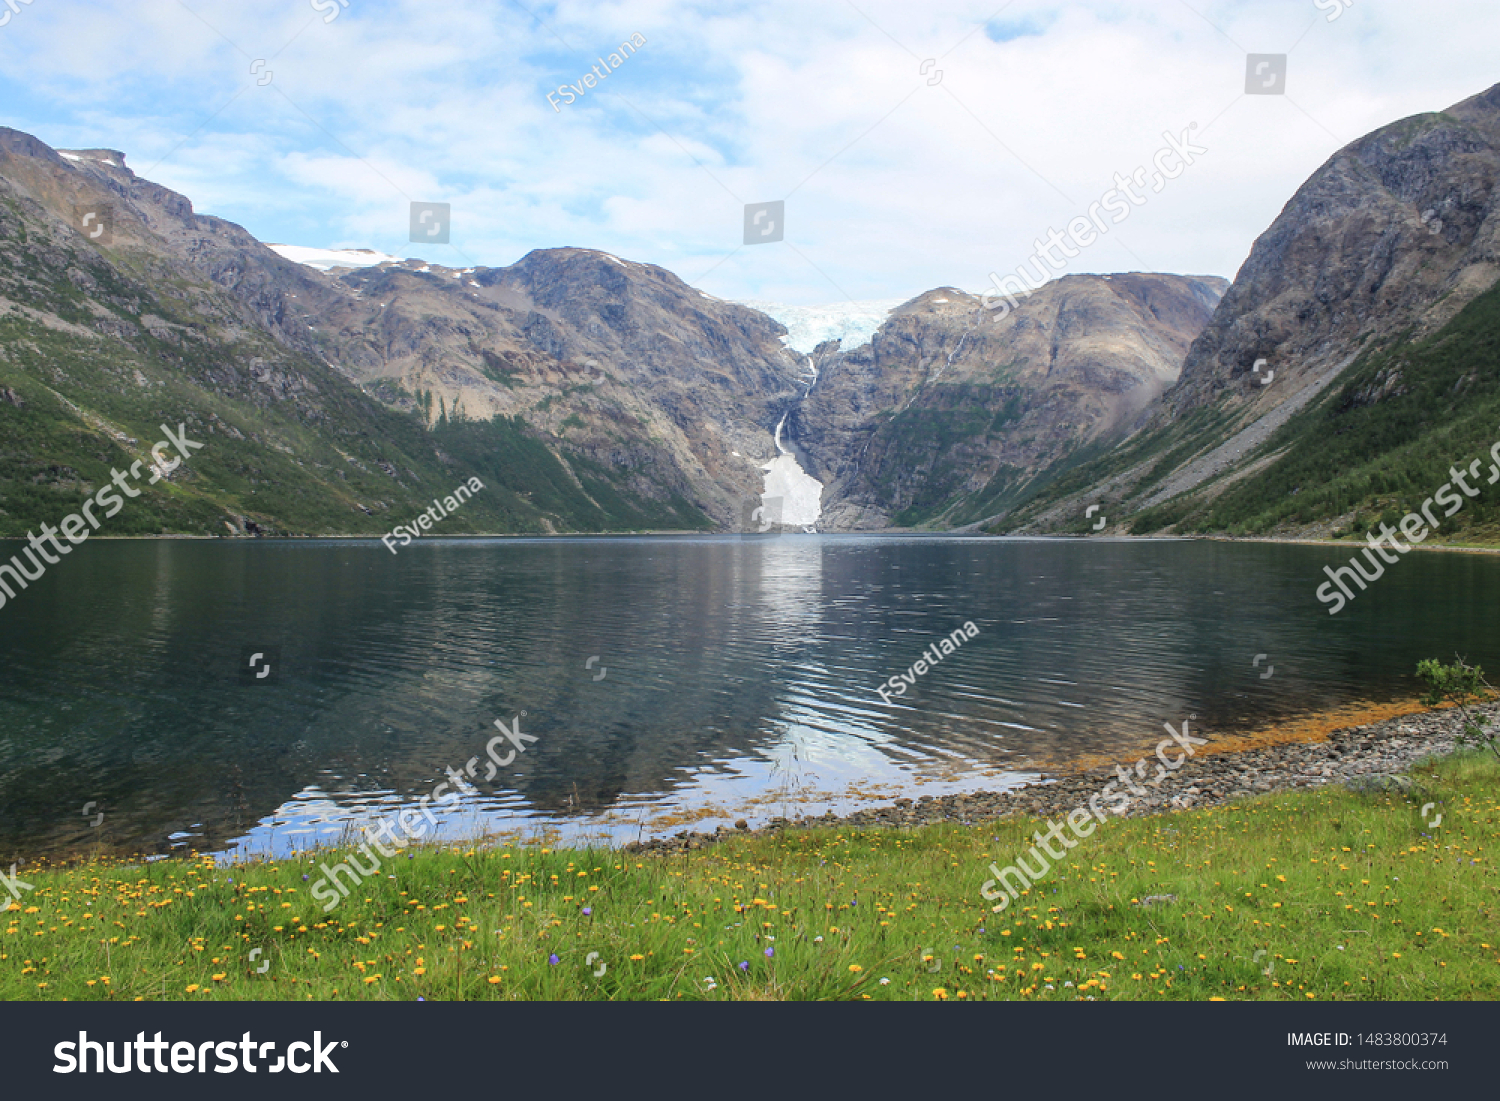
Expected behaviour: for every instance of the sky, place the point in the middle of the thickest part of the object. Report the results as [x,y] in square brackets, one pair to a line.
[913,145]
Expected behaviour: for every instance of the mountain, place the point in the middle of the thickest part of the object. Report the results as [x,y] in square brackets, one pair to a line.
[949,412]
[107,337]
[641,386]
[591,393]
[341,391]
[1356,338]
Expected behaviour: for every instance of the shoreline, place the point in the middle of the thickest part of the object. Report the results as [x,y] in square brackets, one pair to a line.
[1278,540]
[1303,754]
[1446,548]
[1366,756]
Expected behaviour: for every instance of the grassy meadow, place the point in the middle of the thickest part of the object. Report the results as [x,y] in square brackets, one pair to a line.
[1322,895]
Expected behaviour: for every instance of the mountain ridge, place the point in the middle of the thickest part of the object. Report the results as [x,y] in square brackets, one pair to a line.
[1384,246]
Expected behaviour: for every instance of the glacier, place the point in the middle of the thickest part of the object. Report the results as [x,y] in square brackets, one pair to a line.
[808,326]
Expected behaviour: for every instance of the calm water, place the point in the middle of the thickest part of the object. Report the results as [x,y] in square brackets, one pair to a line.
[734,675]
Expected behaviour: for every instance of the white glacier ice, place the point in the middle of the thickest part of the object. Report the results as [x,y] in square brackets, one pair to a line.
[808,326]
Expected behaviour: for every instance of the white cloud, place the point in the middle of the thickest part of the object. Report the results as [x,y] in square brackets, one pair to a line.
[397,99]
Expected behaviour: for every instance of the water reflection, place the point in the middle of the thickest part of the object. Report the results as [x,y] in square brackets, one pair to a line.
[731,674]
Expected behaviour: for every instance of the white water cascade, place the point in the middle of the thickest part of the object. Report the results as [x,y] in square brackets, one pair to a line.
[792,497]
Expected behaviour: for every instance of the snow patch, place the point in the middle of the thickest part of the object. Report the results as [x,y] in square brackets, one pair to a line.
[854,323]
[792,496]
[798,493]
[326,259]
[77,156]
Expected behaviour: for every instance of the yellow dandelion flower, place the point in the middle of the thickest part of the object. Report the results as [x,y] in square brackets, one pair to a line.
[193,989]
[856,968]
[494,979]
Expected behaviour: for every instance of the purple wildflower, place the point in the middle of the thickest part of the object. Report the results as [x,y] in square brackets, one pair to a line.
[587,911]
[770,953]
[744,965]
[553,960]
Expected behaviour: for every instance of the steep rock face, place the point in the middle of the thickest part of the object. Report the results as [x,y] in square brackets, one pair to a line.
[1385,243]
[616,362]
[1399,230]
[653,403]
[621,362]
[951,409]
[106,334]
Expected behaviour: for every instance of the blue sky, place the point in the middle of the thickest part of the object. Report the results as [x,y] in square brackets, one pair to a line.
[896,179]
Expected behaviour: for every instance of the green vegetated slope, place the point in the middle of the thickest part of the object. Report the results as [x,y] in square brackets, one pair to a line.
[594,498]
[929,453]
[99,349]
[1380,443]
[935,443]
[1164,450]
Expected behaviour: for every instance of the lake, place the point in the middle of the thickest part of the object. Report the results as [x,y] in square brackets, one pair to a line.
[669,682]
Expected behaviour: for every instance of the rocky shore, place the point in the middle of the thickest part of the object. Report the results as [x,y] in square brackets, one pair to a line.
[1364,758]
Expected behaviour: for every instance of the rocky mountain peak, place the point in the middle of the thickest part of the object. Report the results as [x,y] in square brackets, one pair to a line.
[1399,229]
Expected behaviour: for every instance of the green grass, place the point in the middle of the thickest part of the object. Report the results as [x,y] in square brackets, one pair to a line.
[1325,895]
